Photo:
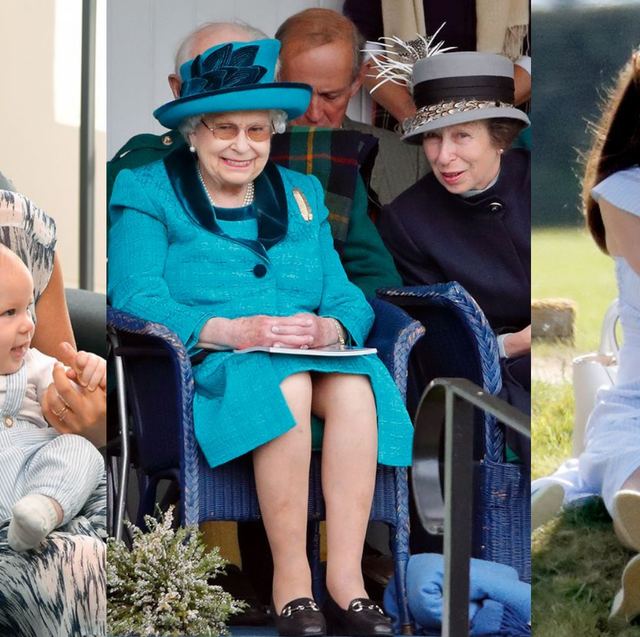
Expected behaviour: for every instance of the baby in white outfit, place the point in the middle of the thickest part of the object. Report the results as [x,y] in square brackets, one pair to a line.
[47,477]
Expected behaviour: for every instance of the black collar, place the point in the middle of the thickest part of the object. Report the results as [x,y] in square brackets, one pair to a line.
[270,201]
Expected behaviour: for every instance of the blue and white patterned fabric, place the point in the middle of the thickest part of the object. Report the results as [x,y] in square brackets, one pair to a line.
[612,438]
[30,233]
[58,589]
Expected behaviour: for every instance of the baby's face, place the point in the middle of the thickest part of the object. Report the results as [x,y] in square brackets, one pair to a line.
[16,322]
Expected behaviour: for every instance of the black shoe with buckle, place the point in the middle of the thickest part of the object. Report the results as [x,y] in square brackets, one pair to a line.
[363,617]
[300,617]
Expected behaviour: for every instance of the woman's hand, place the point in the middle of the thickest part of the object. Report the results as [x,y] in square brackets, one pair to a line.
[70,408]
[299,330]
[321,331]
[518,343]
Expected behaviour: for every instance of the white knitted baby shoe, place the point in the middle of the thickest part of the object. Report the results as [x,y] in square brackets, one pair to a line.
[34,517]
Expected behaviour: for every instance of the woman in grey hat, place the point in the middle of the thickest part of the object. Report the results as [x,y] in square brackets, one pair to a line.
[469,220]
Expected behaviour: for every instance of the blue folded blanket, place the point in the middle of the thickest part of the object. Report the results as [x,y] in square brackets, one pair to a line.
[499,604]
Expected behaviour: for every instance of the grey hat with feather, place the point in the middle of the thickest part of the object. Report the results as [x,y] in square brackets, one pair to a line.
[448,87]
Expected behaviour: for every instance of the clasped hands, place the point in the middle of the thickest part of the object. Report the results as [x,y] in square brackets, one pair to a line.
[76,400]
[302,331]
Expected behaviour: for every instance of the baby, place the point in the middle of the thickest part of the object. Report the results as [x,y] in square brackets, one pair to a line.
[47,477]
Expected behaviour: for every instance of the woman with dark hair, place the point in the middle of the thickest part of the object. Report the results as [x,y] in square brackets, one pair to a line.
[610,463]
[469,220]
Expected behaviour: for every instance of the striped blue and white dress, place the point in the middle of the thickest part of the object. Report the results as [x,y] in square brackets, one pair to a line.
[612,437]
[57,590]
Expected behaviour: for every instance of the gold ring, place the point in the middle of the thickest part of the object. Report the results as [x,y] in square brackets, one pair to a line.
[58,413]
[62,413]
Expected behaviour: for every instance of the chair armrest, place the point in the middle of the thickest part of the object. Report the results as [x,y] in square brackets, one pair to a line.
[125,322]
[394,333]
[157,340]
[448,307]
[454,297]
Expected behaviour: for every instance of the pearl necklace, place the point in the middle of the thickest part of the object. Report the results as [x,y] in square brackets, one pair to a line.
[248,195]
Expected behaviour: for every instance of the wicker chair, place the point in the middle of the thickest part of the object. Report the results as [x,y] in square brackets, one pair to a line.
[159,387]
[459,343]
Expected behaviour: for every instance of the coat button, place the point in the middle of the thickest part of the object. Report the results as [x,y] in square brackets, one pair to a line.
[495,206]
[260,270]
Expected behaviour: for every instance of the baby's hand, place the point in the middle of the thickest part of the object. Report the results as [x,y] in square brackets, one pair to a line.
[85,368]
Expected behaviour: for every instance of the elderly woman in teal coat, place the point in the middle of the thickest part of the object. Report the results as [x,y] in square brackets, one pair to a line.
[231,251]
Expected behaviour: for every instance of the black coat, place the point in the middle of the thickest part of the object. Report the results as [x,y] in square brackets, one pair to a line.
[483,242]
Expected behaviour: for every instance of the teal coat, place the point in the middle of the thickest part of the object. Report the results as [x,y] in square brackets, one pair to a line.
[171,262]
[326,153]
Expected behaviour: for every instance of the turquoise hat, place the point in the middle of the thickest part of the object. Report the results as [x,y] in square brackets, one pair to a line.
[235,76]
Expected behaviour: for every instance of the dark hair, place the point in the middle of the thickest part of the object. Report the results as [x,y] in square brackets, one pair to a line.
[616,144]
[315,27]
[504,130]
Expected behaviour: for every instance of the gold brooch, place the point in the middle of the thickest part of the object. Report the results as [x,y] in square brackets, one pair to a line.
[303,204]
[8,422]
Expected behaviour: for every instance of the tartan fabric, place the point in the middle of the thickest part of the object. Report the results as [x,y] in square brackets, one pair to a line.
[335,157]
[382,118]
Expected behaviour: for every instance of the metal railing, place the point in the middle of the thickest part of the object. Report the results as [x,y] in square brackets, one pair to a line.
[453,400]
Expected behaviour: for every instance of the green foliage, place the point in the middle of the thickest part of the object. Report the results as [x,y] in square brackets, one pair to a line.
[577,55]
[161,586]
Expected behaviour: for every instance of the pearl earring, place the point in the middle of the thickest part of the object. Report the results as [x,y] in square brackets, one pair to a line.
[192,148]
[500,151]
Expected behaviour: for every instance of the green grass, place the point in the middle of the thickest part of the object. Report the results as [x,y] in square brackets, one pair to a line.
[552,424]
[577,560]
[566,263]
[576,566]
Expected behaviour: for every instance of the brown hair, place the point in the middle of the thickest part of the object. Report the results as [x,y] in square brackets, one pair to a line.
[315,27]
[616,144]
[504,130]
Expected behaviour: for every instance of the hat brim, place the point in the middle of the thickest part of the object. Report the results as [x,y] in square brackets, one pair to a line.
[291,97]
[415,136]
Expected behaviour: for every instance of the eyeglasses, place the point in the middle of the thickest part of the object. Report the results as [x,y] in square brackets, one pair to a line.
[227,131]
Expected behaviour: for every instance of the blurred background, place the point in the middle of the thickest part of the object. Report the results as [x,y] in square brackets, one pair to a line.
[578,47]
[41,52]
